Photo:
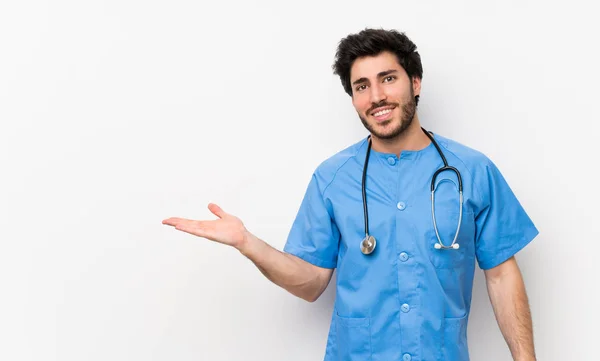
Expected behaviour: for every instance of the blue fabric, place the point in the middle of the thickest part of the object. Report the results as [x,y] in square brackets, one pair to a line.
[407,300]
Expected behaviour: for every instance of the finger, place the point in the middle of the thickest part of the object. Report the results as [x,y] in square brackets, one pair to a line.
[216,210]
[196,229]
[174,221]
[188,228]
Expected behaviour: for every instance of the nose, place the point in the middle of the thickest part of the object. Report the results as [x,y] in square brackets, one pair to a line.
[377,94]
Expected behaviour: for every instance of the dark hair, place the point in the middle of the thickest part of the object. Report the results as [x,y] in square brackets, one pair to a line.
[371,42]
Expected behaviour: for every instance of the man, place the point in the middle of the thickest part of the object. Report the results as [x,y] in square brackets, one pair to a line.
[404,293]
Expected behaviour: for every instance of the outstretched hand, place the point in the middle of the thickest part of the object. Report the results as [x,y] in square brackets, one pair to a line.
[228,229]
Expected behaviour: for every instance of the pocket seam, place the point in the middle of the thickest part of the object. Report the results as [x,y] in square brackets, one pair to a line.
[456,319]
[350,323]
[353,321]
[432,239]
[453,324]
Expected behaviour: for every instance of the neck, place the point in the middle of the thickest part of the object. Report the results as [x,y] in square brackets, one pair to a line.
[412,138]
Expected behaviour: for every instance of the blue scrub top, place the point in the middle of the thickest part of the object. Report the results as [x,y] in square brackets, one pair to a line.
[407,300]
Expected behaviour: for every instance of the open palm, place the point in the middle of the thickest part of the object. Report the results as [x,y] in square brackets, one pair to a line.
[228,229]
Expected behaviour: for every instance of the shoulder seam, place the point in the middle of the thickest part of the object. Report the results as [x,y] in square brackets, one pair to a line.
[340,167]
[475,186]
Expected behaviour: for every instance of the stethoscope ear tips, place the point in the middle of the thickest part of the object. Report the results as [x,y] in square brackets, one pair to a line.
[439,246]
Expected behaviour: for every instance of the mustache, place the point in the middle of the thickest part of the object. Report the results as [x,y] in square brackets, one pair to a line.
[381,104]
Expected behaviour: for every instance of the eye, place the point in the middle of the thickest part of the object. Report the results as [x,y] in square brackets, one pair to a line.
[389,78]
[361,87]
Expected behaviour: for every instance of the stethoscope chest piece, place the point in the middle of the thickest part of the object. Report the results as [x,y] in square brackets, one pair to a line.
[367,246]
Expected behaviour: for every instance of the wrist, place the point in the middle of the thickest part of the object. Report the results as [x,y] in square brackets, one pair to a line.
[525,358]
[245,243]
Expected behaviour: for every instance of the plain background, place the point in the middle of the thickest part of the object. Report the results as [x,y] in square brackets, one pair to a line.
[115,115]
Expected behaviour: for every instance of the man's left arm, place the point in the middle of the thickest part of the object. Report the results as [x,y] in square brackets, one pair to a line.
[511,307]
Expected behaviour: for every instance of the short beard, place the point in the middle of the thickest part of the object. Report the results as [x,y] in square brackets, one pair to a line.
[408,113]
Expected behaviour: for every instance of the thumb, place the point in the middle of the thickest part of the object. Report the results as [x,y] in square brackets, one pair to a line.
[216,210]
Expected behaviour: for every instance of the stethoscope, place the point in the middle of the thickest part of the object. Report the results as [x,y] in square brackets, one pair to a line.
[367,246]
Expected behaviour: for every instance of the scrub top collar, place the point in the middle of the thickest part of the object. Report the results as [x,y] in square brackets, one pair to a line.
[406,154]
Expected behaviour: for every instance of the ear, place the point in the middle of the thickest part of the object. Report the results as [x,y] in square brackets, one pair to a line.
[416,84]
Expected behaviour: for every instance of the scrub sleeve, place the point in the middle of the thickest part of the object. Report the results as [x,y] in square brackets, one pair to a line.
[314,236]
[503,227]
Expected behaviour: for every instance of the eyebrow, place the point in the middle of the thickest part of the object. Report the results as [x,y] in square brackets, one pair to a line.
[380,75]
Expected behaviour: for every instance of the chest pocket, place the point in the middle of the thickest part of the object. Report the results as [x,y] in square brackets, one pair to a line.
[447,215]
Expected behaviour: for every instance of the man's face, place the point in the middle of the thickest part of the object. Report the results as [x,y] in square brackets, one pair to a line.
[383,94]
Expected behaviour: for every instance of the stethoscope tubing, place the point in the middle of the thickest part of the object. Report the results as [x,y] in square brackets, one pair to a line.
[368,244]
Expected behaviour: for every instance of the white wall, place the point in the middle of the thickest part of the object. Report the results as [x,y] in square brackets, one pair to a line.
[117,114]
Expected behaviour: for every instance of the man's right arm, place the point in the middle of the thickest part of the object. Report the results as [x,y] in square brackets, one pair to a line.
[297,276]
[292,273]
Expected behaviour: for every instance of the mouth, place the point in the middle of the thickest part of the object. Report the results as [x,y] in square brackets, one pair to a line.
[382,113]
